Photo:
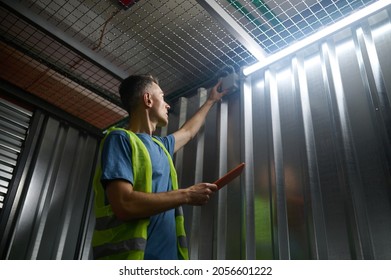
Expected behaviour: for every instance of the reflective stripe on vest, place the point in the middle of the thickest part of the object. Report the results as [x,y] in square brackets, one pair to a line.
[114,239]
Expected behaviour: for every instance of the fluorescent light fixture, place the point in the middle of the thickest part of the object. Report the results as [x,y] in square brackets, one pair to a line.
[363,13]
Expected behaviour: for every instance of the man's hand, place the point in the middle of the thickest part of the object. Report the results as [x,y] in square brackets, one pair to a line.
[214,94]
[193,125]
[199,194]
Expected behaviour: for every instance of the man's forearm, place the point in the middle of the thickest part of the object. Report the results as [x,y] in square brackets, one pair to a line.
[191,127]
[142,205]
[194,124]
[128,204]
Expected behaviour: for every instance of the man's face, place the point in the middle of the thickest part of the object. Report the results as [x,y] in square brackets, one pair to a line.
[159,109]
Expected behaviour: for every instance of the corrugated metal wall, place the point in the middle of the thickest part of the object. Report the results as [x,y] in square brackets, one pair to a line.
[50,213]
[14,123]
[314,130]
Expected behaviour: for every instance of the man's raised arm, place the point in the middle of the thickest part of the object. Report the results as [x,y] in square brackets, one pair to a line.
[191,127]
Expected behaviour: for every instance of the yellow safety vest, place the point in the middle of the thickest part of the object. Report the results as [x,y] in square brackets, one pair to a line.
[115,239]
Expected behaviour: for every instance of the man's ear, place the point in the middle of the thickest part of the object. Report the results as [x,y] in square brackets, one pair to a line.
[147,99]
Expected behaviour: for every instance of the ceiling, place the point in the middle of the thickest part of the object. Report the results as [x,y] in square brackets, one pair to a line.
[74,54]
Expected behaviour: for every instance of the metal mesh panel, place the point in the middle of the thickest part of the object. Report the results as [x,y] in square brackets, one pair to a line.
[57,89]
[175,40]
[276,24]
[52,52]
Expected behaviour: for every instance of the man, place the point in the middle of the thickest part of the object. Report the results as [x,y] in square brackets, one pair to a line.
[137,199]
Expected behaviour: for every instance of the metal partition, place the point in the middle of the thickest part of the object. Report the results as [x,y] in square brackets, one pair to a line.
[50,215]
[315,131]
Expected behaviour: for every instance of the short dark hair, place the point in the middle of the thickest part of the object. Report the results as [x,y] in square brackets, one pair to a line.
[132,88]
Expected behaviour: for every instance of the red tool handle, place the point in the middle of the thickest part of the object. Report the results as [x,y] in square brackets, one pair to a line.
[232,174]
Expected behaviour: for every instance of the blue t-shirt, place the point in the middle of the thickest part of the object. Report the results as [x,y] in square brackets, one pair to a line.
[117,164]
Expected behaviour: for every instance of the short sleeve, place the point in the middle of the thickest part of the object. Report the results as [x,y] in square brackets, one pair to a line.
[116,158]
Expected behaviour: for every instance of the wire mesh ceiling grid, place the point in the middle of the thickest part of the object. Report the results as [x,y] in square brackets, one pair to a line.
[74,54]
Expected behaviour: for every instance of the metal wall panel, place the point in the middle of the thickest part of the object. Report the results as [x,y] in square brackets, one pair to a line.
[314,130]
[14,122]
[52,216]
[214,230]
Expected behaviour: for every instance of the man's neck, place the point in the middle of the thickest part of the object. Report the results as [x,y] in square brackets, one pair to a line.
[142,125]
